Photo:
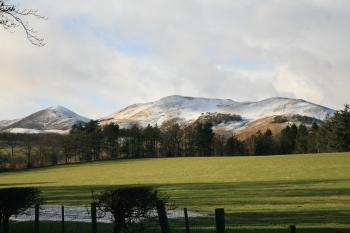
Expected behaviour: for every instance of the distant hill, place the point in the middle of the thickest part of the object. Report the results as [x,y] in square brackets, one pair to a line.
[227,116]
[5,123]
[55,119]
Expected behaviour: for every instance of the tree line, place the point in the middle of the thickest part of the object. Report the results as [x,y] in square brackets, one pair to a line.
[331,136]
[91,141]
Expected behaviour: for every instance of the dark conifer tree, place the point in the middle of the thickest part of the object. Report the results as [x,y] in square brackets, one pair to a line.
[219,145]
[88,138]
[334,135]
[339,136]
[170,143]
[233,146]
[135,142]
[203,138]
[312,142]
[188,141]
[286,140]
[285,143]
[264,143]
[151,138]
[301,141]
[111,136]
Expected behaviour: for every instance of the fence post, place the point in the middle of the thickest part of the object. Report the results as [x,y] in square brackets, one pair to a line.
[186,221]
[62,213]
[292,229]
[163,218]
[36,221]
[220,220]
[93,218]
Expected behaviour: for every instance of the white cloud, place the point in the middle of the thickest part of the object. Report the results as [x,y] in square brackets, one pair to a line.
[102,56]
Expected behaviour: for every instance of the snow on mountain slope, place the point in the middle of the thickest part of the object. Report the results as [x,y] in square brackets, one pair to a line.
[186,108]
[281,106]
[227,115]
[5,123]
[190,108]
[55,119]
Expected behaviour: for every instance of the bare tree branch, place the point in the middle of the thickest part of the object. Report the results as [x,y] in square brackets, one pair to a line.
[12,17]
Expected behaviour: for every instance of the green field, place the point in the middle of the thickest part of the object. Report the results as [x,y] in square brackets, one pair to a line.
[311,191]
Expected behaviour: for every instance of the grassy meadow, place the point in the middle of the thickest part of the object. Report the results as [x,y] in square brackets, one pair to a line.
[311,191]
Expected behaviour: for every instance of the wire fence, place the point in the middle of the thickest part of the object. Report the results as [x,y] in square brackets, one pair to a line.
[69,219]
[73,219]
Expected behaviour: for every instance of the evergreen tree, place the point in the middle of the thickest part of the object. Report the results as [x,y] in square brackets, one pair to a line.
[233,146]
[151,137]
[293,135]
[334,135]
[312,142]
[95,136]
[339,134]
[203,138]
[219,144]
[301,141]
[89,139]
[250,144]
[188,141]
[111,136]
[135,142]
[264,143]
[170,141]
[286,140]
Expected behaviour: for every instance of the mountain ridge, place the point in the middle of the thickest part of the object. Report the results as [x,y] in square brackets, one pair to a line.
[54,119]
[190,108]
[224,113]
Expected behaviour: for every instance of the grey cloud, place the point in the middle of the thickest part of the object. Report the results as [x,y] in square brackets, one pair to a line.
[304,43]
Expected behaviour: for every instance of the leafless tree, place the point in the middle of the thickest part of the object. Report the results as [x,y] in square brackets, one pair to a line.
[11,17]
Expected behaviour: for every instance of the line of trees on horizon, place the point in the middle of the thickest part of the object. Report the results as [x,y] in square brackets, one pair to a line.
[91,142]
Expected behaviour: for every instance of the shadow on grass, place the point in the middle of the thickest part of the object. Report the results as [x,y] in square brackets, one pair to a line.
[25,184]
[176,227]
[56,227]
[308,202]
[212,191]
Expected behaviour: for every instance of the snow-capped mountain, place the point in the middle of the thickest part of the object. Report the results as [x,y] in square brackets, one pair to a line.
[242,118]
[186,108]
[189,109]
[55,119]
[5,123]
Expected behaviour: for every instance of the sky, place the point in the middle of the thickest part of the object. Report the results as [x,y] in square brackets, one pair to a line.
[101,56]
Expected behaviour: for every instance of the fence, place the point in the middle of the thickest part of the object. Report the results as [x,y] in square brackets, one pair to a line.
[61,219]
[89,219]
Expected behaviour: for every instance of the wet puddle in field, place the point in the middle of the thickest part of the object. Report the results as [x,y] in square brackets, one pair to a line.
[83,214]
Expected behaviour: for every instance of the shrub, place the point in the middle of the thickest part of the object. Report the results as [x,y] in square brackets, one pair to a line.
[128,205]
[14,201]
